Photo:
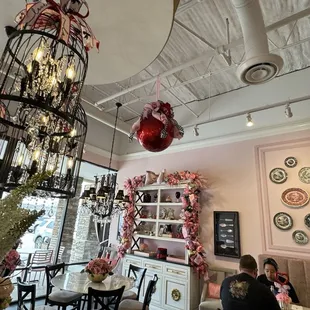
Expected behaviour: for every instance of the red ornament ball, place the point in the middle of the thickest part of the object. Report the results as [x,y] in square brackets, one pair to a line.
[149,134]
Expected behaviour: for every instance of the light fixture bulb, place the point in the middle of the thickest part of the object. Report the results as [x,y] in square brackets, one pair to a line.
[29,67]
[44,119]
[196,131]
[36,154]
[38,54]
[249,119]
[288,111]
[53,80]
[73,133]
[70,72]
[20,160]
[70,163]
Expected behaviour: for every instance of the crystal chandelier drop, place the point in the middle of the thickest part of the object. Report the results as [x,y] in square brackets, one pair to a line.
[42,72]
[99,199]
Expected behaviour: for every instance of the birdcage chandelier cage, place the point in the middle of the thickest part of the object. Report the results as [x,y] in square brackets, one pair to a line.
[42,72]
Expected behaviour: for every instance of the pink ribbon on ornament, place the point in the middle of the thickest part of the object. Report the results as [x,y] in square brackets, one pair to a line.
[41,15]
[154,110]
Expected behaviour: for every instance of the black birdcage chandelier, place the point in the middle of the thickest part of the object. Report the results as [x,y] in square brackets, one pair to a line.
[43,69]
[99,199]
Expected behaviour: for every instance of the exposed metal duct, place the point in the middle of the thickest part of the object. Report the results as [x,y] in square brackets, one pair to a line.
[259,66]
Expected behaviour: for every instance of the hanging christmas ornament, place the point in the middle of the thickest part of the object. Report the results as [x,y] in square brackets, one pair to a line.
[156,128]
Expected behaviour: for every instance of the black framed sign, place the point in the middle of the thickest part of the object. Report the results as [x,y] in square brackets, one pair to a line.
[226,234]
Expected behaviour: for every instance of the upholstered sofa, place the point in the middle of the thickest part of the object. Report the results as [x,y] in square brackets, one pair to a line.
[299,274]
[217,275]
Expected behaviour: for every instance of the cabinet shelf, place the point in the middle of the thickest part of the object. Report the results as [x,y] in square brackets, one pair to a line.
[154,204]
[146,220]
[170,204]
[159,238]
[171,221]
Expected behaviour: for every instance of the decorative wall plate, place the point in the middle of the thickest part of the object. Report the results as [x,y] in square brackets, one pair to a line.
[300,237]
[283,221]
[290,162]
[304,175]
[295,197]
[278,175]
[307,220]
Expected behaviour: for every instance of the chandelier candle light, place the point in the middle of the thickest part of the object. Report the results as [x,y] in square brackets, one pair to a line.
[43,69]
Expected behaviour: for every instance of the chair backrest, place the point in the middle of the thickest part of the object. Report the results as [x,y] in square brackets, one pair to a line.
[138,273]
[23,291]
[110,254]
[51,272]
[104,299]
[151,288]
[42,257]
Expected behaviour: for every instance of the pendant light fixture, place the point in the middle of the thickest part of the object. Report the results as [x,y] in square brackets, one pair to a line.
[99,199]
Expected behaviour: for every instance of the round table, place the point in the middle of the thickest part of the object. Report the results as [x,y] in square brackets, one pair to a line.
[78,282]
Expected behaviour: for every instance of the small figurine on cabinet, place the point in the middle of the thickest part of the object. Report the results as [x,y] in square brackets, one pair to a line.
[168,199]
[170,214]
[182,215]
[177,196]
[155,197]
[150,215]
[143,247]
[161,177]
[147,197]
[163,213]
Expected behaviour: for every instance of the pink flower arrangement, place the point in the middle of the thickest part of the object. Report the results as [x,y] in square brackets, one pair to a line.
[191,208]
[284,298]
[10,262]
[98,266]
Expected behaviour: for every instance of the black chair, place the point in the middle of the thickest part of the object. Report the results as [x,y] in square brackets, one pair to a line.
[23,292]
[138,274]
[129,304]
[107,300]
[60,298]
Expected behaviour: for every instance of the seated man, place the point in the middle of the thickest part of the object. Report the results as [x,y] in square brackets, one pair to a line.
[244,292]
[269,277]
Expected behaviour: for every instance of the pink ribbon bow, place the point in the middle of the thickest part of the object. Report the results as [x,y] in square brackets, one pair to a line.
[41,15]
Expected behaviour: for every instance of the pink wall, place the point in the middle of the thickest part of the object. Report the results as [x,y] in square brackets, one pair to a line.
[232,173]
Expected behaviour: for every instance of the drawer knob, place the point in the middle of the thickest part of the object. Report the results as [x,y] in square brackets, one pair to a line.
[176,294]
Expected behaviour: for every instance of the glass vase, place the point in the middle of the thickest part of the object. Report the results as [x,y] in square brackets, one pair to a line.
[97,278]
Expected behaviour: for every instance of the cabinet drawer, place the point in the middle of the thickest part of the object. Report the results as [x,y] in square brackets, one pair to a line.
[175,294]
[153,266]
[133,261]
[176,271]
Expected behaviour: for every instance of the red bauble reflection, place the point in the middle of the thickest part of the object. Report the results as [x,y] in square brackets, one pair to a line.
[149,134]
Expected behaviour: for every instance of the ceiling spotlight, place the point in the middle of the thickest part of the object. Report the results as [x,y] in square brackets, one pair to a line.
[288,111]
[196,131]
[249,120]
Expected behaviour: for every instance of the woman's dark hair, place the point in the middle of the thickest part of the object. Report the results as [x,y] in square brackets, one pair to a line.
[272,262]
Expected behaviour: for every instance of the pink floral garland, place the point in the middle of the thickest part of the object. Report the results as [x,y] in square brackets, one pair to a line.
[130,186]
[191,209]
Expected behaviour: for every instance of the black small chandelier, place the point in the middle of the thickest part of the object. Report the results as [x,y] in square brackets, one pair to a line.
[42,72]
[99,199]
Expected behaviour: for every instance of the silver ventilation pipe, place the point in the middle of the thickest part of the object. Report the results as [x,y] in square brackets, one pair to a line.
[259,66]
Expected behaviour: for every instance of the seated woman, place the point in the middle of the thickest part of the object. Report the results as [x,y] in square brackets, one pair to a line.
[269,277]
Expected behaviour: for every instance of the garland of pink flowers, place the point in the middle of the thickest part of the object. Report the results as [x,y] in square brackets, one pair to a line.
[191,208]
